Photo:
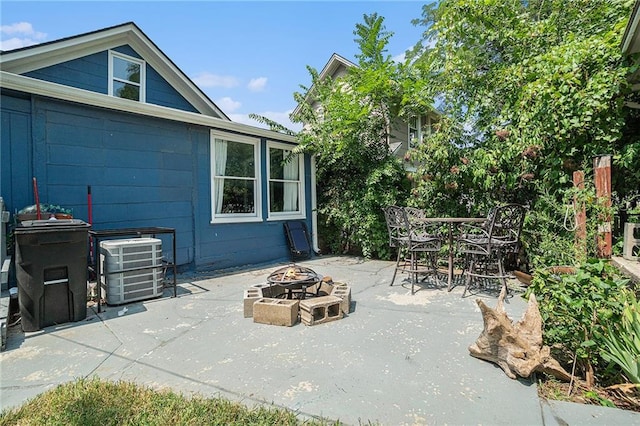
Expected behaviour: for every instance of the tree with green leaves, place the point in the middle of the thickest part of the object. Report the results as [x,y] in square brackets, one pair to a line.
[531,91]
[347,128]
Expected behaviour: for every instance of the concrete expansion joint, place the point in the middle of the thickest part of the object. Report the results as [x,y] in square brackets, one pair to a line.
[106,325]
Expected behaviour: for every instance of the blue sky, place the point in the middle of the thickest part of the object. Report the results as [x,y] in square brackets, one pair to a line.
[247,56]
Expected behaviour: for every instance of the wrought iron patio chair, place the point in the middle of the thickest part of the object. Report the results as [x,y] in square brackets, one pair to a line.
[425,242]
[415,214]
[416,241]
[398,234]
[485,247]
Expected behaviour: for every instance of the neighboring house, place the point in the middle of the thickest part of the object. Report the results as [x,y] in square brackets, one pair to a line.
[107,109]
[403,135]
[631,46]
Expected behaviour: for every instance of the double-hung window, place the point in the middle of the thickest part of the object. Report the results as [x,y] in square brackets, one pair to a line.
[419,128]
[126,77]
[235,176]
[286,183]
[414,131]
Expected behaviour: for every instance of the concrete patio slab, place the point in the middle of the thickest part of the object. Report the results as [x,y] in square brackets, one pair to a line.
[395,359]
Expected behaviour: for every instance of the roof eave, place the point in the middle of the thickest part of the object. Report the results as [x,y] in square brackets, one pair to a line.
[33,86]
[28,59]
[329,68]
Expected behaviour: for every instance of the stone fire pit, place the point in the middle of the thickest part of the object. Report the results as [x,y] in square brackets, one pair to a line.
[296,292]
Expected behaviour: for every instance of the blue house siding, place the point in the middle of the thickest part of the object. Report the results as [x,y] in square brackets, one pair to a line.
[228,245]
[91,73]
[15,152]
[122,158]
[159,92]
[231,245]
[142,171]
[144,165]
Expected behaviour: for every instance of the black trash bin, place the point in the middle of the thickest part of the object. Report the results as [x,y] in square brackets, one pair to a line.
[51,270]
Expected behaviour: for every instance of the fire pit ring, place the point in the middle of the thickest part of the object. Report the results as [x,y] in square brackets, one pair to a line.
[294,277]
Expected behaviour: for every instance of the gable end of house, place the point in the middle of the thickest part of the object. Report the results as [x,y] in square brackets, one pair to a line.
[86,62]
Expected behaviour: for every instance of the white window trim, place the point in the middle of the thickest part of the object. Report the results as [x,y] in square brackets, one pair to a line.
[427,130]
[411,143]
[236,217]
[300,214]
[143,74]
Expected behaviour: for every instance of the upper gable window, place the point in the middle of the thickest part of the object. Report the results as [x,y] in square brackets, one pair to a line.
[126,77]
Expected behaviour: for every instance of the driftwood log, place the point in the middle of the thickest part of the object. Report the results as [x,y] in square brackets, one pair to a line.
[516,348]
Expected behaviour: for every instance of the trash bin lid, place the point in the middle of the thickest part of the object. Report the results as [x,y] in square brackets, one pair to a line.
[30,226]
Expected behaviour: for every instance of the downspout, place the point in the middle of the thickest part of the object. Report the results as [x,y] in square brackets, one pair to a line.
[314,207]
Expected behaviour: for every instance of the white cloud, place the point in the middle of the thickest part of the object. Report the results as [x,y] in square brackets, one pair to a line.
[24,28]
[22,34]
[16,43]
[244,119]
[428,44]
[228,104]
[205,79]
[399,58]
[257,84]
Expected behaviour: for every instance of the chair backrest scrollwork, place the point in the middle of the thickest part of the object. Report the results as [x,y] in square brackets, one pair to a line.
[396,225]
[506,223]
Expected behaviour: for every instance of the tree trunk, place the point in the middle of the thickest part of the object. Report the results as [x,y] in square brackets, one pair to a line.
[516,348]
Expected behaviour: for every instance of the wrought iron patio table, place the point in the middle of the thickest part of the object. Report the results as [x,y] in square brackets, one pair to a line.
[451,222]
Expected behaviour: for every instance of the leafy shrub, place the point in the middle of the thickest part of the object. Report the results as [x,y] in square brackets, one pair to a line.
[349,135]
[622,339]
[577,308]
[545,236]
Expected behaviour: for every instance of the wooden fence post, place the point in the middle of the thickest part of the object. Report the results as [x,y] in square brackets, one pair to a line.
[581,218]
[602,172]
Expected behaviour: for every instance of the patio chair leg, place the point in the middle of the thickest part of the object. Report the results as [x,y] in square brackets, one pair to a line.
[503,275]
[433,259]
[414,271]
[434,265]
[395,271]
[468,272]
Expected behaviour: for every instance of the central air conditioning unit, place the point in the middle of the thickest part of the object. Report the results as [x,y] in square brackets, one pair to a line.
[132,270]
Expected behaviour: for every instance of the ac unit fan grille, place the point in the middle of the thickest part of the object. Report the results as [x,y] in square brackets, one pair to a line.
[133,269]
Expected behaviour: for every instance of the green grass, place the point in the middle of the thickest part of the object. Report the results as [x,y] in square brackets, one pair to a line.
[88,402]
